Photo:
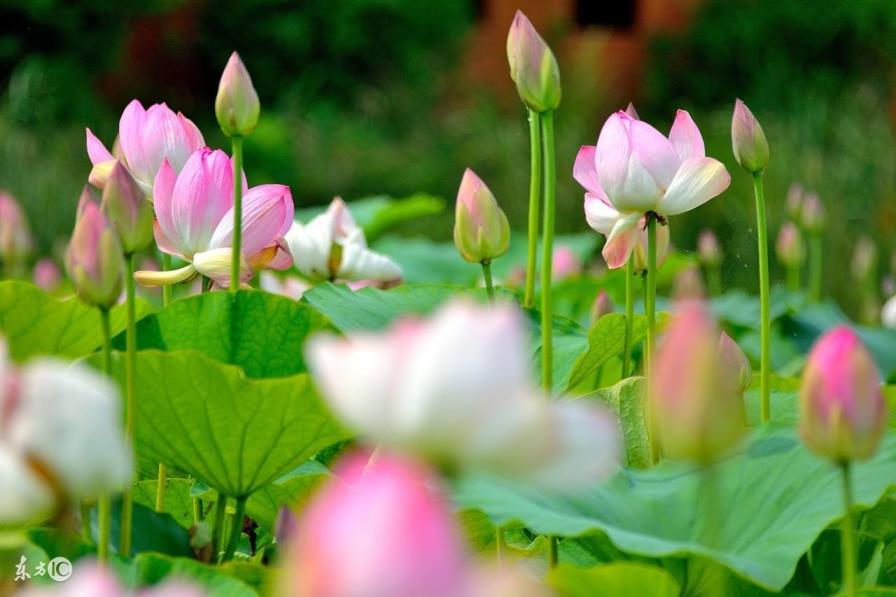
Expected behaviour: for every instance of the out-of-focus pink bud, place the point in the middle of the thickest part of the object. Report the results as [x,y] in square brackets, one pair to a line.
[94,259]
[692,402]
[813,215]
[748,139]
[565,264]
[46,274]
[602,305]
[125,204]
[236,105]
[15,238]
[842,410]
[688,285]
[481,230]
[708,250]
[790,248]
[736,363]
[533,66]
[379,529]
[794,201]
[864,259]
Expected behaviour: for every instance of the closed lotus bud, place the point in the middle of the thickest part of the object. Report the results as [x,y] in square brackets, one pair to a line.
[46,274]
[481,230]
[790,248]
[842,410]
[736,363]
[864,259]
[564,264]
[812,215]
[689,285]
[602,305]
[15,239]
[126,206]
[662,248]
[708,250]
[748,140]
[94,258]
[236,105]
[794,201]
[533,66]
[697,414]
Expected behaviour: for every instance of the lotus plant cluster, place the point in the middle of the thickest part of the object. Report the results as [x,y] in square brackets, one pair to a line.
[301,410]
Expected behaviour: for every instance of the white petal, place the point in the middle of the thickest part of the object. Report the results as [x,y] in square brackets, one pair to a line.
[360,263]
[696,182]
[25,497]
[310,246]
[686,137]
[599,214]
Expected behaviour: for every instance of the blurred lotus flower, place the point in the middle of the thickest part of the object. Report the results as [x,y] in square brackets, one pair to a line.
[289,286]
[888,313]
[790,248]
[692,404]
[813,215]
[688,285]
[864,259]
[602,305]
[794,201]
[89,579]
[236,105]
[748,139]
[286,525]
[565,264]
[25,496]
[378,530]
[481,230]
[736,364]
[533,66]
[125,204]
[195,221]
[888,285]
[332,247]
[15,238]
[507,581]
[708,250]
[94,259]
[456,389]
[46,274]
[147,137]
[842,410]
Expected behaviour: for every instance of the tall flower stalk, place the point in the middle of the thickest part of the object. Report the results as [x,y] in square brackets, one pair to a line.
[162,478]
[812,216]
[547,250]
[534,206]
[104,501]
[629,317]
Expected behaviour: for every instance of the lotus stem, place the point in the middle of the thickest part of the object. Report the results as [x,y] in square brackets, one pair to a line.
[104,505]
[236,529]
[629,316]
[848,538]
[127,504]
[487,274]
[550,198]
[534,204]
[236,143]
[765,302]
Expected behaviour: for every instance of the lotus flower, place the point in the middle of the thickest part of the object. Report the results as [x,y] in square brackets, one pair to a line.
[378,530]
[748,139]
[789,246]
[46,274]
[813,214]
[15,239]
[533,66]
[565,263]
[601,306]
[481,230]
[236,105]
[456,389]
[94,259]
[708,250]
[635,170]
[864,259]
[735,363]
[332,247]
[147,138]
[794,201]
[194,212]
[888,313]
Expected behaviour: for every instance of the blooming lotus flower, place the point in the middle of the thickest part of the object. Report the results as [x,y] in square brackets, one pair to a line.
[789,247]
[697,414]
[194,212]
[842,410]
[708,250]
[147,137]
[748,139]
[813,214]
[127,208]
[15,238]
[94,259]
[457,389]
[236,105]
[46,274]
[564,264]
[481,230]
[378,530]
[636,171]
[888,313]
[533,66]
[332,247]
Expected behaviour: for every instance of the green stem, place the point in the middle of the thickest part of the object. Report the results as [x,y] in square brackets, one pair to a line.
[487,274]
[85,522]
[127,503]
[629,316]
[161,486]
[815,259]
[104,503]
[220,511]
[848,538]
[500,544]
[765,346]
[793,277]
[236,529]
[650,312]
[547,255]
[534,200]
[714,279]
[553,556]
[166,289]
[236,143]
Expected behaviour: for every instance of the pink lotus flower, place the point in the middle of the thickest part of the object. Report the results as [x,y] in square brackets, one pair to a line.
[565,264]
[94,260]
[236,105]
[794,201]
[708,249]
[735,363]
[481,230]
[748,139]
[634,170]
[378,530]
[601,306]
[194,212]
[15,239]
[789,245]
[147,138]
[533,66]
[842,410]
[812,216]
[46,274]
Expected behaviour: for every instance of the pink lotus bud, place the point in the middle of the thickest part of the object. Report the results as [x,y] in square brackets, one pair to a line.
[46,274]
[630,110]
[696,412]
[378,529]
[125,204]
[602,305]
[748,140]
[688,285]
[790,248]
[94,259]
[481,230]
[15,239]
[842,410]
[236,105]
[736,363]
[533,66]
[708,250]
[864,259]
[564,263]
[794,201]
[813,216]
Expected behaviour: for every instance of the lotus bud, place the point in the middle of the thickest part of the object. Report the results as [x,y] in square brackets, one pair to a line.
[864,259]
[790,248]
[736,363]
[842,410]
[126,206]
[94,259]
[813,216]
[696,413]
[630,110]
[533,66]
[46,275]
[236,105]
[662,248]
[602,305]
[688,285]
[708,250]
[564,264]
[794,201]
[15,239]
[481,230]
[748,140]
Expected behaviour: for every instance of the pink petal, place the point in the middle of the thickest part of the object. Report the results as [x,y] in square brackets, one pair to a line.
[130,135]
[696,182]
[686,137]
[162,190]
[585,171]
[612,154]
[267,215]
[283,258]
[202,197]
[164,136]
[96,151]
[165,244]
[621,241]
[599,214]
[654,151]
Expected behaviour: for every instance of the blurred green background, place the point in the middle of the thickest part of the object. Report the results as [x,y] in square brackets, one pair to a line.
[368,97]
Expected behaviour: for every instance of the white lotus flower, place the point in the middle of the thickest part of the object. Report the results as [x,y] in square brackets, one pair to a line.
[457,390]
[332,247]
[25,496]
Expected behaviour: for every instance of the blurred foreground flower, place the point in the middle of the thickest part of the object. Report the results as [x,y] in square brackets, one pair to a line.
[147,138]
[332,247]
[194,212]
[456,389]
[94,260]
[533,66]
[15,238]
[92,580]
